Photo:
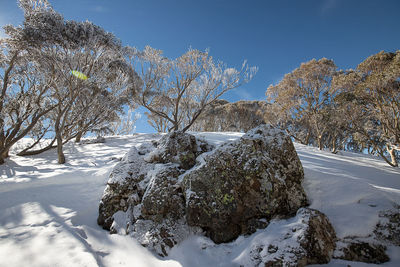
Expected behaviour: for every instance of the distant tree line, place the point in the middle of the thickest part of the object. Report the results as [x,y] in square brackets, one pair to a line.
[223,116]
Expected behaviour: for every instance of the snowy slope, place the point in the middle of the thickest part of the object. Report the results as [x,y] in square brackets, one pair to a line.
[48,211]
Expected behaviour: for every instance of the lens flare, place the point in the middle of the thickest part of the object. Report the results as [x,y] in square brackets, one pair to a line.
[79,74]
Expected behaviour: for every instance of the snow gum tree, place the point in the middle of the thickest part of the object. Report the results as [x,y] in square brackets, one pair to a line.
[78,105]
[178,91]
[373,95]
[25,95]
[300,99]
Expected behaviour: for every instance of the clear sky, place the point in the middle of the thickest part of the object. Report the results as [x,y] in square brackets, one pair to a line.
[275,35]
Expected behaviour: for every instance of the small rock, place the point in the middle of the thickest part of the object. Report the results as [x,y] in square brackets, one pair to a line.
[352,249]
[388,229]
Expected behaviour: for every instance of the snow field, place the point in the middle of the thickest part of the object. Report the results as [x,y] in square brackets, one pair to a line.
[48,211]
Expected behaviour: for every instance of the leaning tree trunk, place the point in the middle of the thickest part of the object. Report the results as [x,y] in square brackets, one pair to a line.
[392,153]
[28,152]
[82,131]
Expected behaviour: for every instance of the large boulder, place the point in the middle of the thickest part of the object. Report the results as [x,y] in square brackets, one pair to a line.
[244,183]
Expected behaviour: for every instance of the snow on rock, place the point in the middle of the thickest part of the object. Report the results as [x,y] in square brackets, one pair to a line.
[179,148]
[126,186]
[243,184]
[145,185]
[307,238]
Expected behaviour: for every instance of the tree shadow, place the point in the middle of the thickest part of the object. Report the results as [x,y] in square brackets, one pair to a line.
[77,233]
[10,168]
[50,193]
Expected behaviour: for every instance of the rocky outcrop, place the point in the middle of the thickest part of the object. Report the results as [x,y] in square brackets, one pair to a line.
[161,193]
[242,182]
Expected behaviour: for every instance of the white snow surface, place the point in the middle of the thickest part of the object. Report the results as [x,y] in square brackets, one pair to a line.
[48,211]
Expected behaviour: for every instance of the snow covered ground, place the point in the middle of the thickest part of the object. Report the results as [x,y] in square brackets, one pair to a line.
[48,211]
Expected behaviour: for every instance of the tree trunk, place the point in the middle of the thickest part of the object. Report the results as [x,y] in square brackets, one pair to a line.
[320,142]
[3,154]
[60,154]
[6,153]
[2,158]
[392,153]
[78,137]
[380,151]
[334,148]
[307,140]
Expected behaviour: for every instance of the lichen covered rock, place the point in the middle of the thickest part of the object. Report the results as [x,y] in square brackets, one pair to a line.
[256,177]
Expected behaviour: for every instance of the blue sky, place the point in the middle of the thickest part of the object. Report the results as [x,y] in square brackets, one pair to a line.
[276,35]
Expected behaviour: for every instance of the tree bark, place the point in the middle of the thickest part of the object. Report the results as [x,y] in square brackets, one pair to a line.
[60,153]
[78,137]
[320,142]
[334,148]
[4,151]
[392,153]
[2,158]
